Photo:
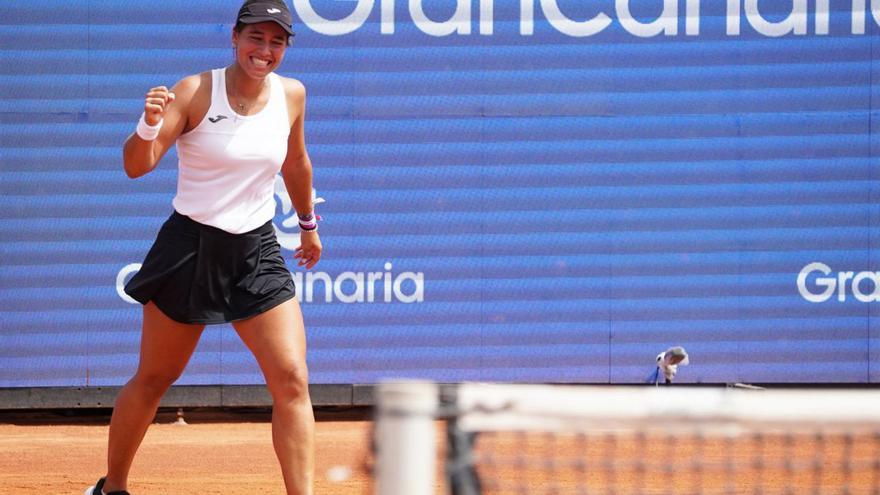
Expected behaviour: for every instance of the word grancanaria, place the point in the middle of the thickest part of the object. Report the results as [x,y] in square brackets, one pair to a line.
[347,287]
[797,22]
[361,286]
[838,283]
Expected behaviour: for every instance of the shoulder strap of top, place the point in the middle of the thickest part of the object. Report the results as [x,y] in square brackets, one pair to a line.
[218,86]
[279,93]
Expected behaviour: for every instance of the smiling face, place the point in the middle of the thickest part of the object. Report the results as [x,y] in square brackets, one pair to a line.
[259,47]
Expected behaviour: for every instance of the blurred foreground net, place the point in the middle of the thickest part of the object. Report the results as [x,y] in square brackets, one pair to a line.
[533,439]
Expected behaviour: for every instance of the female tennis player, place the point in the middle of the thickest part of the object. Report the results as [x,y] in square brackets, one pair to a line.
[216,259]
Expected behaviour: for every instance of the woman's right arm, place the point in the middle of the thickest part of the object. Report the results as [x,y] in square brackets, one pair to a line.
[160,104]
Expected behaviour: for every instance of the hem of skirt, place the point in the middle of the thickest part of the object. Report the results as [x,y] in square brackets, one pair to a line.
[218,321]
[136,297]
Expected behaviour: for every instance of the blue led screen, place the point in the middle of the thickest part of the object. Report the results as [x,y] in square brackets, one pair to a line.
[531,190]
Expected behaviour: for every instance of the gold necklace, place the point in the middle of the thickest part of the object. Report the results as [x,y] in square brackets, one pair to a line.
[242,110]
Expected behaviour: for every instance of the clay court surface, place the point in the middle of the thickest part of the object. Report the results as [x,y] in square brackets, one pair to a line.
[231,454]
[207,456]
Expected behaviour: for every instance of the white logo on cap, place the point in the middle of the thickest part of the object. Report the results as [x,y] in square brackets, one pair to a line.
[273,11]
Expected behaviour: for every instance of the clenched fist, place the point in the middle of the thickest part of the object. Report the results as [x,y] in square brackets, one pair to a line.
[156,101]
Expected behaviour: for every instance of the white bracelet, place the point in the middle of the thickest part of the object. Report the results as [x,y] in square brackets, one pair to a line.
[146,131]
[308,226]
[308,222]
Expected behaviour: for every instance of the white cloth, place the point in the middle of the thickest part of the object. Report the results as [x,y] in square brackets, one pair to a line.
[228,163]
[666,367]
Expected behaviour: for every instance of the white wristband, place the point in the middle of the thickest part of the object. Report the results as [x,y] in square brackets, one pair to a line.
[146,131]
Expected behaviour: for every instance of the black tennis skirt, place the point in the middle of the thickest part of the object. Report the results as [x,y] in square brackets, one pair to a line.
[196,273]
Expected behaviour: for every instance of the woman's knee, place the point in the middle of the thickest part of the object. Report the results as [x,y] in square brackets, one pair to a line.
[154,383]
[289,383]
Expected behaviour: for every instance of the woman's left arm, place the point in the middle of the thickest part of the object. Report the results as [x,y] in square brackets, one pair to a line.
[297,172]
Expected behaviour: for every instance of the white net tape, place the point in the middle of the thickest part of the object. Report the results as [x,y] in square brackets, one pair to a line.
[529,439]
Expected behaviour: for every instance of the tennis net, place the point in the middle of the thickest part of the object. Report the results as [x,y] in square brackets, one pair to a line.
[535,439]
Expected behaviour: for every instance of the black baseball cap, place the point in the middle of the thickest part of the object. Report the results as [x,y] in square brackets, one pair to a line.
[254,11]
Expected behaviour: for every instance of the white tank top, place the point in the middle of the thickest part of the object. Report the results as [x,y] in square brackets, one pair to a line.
[228,163]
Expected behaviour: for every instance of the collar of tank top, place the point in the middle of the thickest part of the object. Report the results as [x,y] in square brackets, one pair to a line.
[240,106]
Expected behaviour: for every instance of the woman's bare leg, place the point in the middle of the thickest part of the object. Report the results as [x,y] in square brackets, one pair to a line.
[166,347]
[277,340]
